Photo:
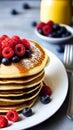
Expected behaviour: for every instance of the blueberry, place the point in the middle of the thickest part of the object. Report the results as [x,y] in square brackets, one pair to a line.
[15,59]
[60,49]
[66,34]
[53,35]
[45,99]
[26,6]
[40,31]
[5,61]
[28,53]
[14,12]
[63,30]
[34,23]
[56,27]
[27,112]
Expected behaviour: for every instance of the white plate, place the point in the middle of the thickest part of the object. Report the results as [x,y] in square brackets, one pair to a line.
[56,78]
[56,40]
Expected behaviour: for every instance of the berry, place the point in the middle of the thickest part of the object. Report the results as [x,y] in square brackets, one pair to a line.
[63,30]
[34,23]
[65,34]
[50,23]
[56,26]
[45,99]
[19,50]
[3,37]
[27,112]
[5,61]
[60,49]
[0,49]
[14,12]
[53,35]
[47,30]
[40,31]
[40,25]
[16,40]
[7,52]
[12,115]
[7,43]
[46,90]
[28,53]
[26,6]
[3,122]
[26,43]
[15,59]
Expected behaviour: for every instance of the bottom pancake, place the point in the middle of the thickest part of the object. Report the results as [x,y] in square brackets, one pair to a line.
[19,107]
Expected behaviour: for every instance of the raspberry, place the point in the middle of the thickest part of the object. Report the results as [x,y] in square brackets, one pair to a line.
[0,48]
[19,49]
[46,90]
[40,25]
[26,43]
[50,23]
[12,115]
[7,43]
[47,30]
[7,52]
[3,122]
[3,37]
[16,40]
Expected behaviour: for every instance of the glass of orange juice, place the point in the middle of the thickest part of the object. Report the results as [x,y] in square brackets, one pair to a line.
[59,11]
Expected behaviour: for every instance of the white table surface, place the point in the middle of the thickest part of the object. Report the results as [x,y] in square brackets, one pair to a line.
[21,25]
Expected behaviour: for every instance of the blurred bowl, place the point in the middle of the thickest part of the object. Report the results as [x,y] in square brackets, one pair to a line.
[57,40]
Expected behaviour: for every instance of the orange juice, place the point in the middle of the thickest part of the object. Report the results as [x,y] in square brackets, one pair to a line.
[60,11]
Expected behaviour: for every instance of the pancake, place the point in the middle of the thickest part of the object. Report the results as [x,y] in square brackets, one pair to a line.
[16,93]
[20,80]
[18,100]
[19,107]
[26,66]
[22,86]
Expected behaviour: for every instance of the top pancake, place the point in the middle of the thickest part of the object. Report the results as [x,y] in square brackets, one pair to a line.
[26,66]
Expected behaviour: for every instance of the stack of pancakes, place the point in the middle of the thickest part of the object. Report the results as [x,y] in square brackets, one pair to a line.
[21,82]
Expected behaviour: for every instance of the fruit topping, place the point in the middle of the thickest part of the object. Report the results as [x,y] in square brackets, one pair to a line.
[16,40]
[7,52]
[45,99]
[7,43]
[5,61]
[15,59]
[11,49]
[3,121]
[19,50]
[12,115]
[3,37]
[26,43]
[27,112]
